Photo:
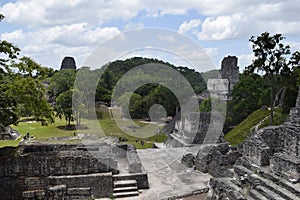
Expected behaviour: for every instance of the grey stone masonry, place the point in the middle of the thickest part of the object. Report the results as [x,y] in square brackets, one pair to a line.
[230,71]
[196,128]
[270,164]
[217,159]
[56,171]
[134,162]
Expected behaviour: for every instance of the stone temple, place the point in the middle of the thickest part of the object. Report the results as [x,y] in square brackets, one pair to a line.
[192,128]
[68,63]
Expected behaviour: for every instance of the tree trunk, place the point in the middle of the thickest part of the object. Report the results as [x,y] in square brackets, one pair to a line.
[69,122]
[272,100]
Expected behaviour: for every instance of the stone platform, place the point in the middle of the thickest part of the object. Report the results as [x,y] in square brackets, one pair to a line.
[168,177]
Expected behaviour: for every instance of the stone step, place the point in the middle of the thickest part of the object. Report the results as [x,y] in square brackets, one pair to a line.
[33,194]
[125,194]
[270,185]
[268,193]
[293,188]
[256,195]
[125,183]
[124,189]
[120,177]
[79,191]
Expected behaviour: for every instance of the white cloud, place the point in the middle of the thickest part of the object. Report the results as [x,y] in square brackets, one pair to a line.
[245,60]
[76,40]
[133,26]
[188,25]
[33,13]
[71,26]
[167,38]
[200,59]
[223,27]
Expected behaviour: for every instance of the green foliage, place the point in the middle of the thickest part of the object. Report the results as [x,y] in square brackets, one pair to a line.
[206,105]
[79,108]
[21,90]
[246,127]
[271,59]
[279,118]
[62,81]
[150,93]
[249,94]
[212,74]
[64,106]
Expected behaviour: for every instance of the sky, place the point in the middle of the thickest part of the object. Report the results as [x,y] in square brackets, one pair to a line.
[47,31]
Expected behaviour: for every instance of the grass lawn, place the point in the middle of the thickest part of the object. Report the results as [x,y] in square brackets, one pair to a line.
[38,131]
[108,126]
[135,136]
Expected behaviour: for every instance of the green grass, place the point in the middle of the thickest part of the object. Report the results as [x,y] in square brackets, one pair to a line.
[244,129]
[9,143]
[39,132]
[108,126]
[44,132]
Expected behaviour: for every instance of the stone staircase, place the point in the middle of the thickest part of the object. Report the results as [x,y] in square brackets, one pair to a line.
[255,185]
[267,186]
[124,186]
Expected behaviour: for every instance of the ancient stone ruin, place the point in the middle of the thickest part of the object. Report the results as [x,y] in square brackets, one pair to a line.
[69,171]
[269,166]
[68,63]
[8,133]
[204,128]
[230,71]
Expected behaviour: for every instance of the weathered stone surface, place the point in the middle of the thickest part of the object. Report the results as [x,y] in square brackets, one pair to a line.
[68,63]
[287,166]
[45,167]
[230,71]
[8,133]
[100,184]
[217,160]
[196,128]
[134,162]
[188,160]
[57,192]
[270,164]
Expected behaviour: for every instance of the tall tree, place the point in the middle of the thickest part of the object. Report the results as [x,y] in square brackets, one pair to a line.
[62,81]
[8,106]
[64,106]
[270,58]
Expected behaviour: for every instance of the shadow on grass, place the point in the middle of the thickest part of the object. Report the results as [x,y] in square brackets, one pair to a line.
[72,127]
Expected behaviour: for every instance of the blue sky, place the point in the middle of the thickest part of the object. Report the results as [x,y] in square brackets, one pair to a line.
[49,30]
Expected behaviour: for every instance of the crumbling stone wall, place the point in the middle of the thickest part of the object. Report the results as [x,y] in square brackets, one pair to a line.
[230,71]
[269,167]
[217,160]
[32,171]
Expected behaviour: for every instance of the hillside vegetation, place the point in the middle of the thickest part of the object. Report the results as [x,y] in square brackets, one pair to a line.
[258,119]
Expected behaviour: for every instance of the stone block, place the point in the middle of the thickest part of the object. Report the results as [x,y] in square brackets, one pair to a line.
[286,166]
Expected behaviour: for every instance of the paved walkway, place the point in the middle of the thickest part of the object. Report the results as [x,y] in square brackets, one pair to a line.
[167,176]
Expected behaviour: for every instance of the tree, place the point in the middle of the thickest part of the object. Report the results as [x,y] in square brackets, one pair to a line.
[270,59]
[79,108]
[62,81]
[28,90]
[248,95]
[295,63]
[64,106]
[8,106]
